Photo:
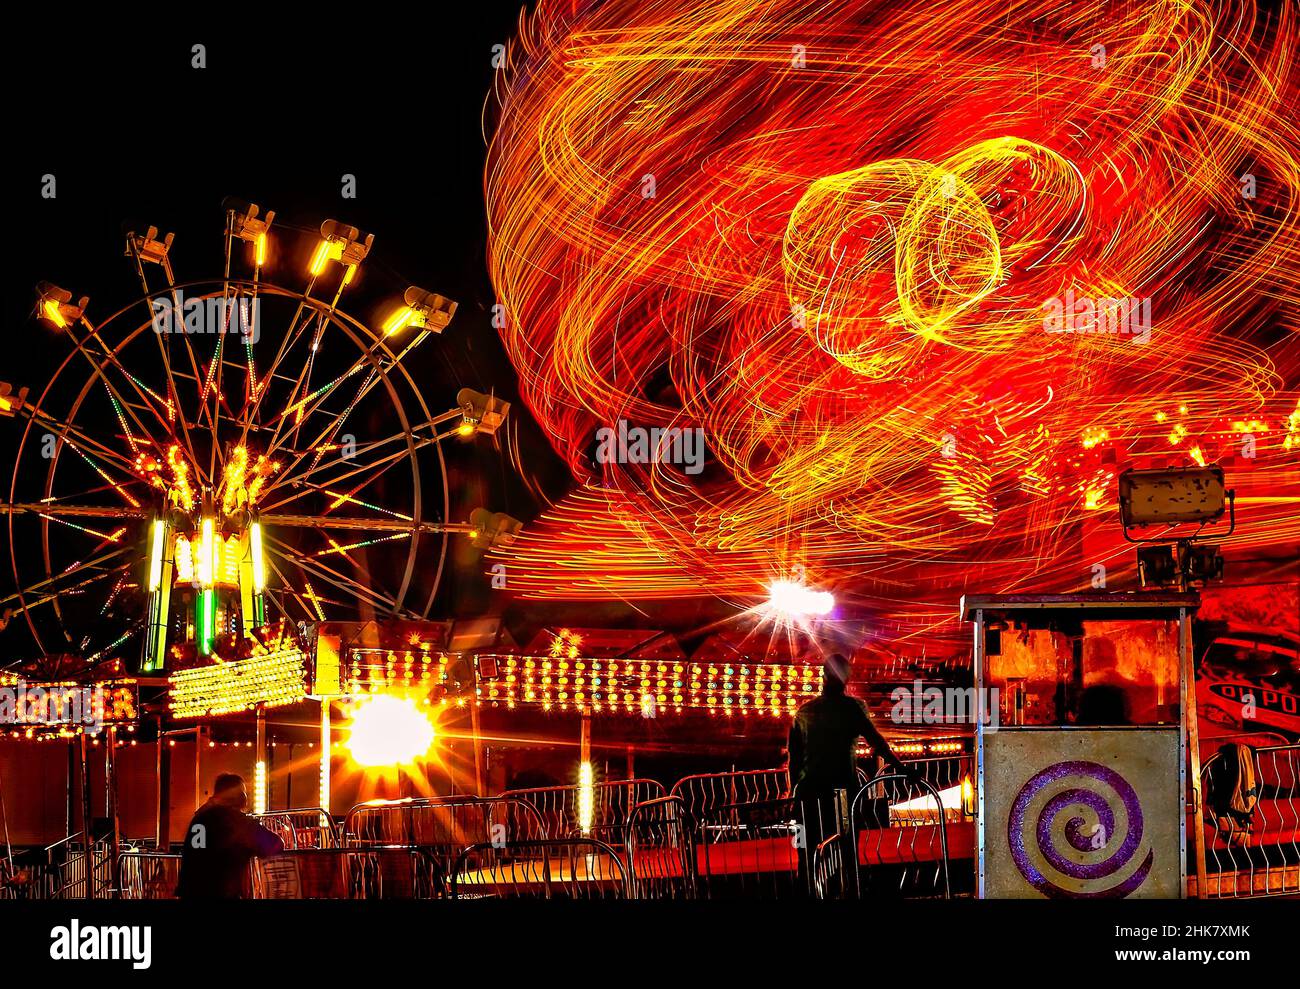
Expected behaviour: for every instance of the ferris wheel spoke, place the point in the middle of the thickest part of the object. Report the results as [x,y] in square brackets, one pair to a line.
[288,477]
[123,488]
[65,429]
[334,578]
[379,369]
[287,585]
[292,334]
[177,413]
[336,421]
[100,653]
[104,538]
[164,350]
[411,441]
[120,405]
[336,488]
[212,382]
[51,586]
[133,248]
[295,407]
[149,400]
[53,597]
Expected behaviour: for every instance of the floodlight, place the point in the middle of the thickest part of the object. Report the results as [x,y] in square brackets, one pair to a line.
[1200,562]
[1172,496]
[482,413]
[54,305]
[147,247]
[427,310]
[11,401]
[491,529]
[795,599]
[342,243]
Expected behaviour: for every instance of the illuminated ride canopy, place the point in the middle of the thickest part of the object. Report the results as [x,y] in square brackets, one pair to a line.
[926,292]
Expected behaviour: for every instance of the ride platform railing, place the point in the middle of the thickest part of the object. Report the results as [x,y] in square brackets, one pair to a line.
[302,827]
[149,875]
[597,811]
[552,869]
[1263,859]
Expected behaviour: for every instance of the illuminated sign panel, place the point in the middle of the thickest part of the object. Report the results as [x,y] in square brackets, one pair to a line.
[65,707]
[649,686]
[272,679]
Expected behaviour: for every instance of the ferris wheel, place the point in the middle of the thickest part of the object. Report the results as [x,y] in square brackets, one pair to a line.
[227,452]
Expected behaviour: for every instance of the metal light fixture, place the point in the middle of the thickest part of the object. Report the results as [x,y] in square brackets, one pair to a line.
[342,243]
[54,305]
[1175,498]
[1172,496]
[481,413]
[1157,566]
[426,310]
[492,529]
[11,401]
[148,248]
[245,225]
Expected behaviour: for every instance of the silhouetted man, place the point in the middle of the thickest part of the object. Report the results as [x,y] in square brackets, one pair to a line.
[220,842]
[823,760]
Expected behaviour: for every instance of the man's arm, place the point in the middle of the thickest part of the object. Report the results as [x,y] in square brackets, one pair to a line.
[876,740]
[260,841]
[795,747]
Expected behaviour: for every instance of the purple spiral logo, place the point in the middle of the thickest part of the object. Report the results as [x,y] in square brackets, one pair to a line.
[1075,834]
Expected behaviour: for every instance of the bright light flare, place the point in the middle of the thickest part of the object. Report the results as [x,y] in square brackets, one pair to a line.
[208,554]
[259,788]
[399,321]
[259,565]
[52,312]
[586,797]
[389,731]
[796,600]
[156,554]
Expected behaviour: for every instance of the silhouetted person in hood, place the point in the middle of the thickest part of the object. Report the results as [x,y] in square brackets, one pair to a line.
[823,762]
[220,842]
[824,738]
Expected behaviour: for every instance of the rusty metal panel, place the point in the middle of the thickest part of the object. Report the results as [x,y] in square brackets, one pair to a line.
[1081,813]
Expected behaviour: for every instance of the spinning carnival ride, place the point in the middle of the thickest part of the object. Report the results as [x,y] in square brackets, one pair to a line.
[220,454]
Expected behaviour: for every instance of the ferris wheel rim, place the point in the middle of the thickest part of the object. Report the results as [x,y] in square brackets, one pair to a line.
[358,333]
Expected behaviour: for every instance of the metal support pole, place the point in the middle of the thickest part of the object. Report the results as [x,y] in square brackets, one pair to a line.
[478,747]
[326,753]
[261,781]
[198,768]
[87,842]
[110,808]
[162,833]
[1192,743]
[70,796]
[584,740]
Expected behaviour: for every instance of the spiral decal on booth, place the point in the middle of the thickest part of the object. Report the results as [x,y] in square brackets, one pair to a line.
[1075,831]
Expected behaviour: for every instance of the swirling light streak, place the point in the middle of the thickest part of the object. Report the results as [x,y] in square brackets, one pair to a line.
[826,234]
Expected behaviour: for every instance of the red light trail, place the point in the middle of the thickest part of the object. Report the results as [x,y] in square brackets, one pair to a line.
[831,236]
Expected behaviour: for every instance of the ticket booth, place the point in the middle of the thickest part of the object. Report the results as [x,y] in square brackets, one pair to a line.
[1081,744]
